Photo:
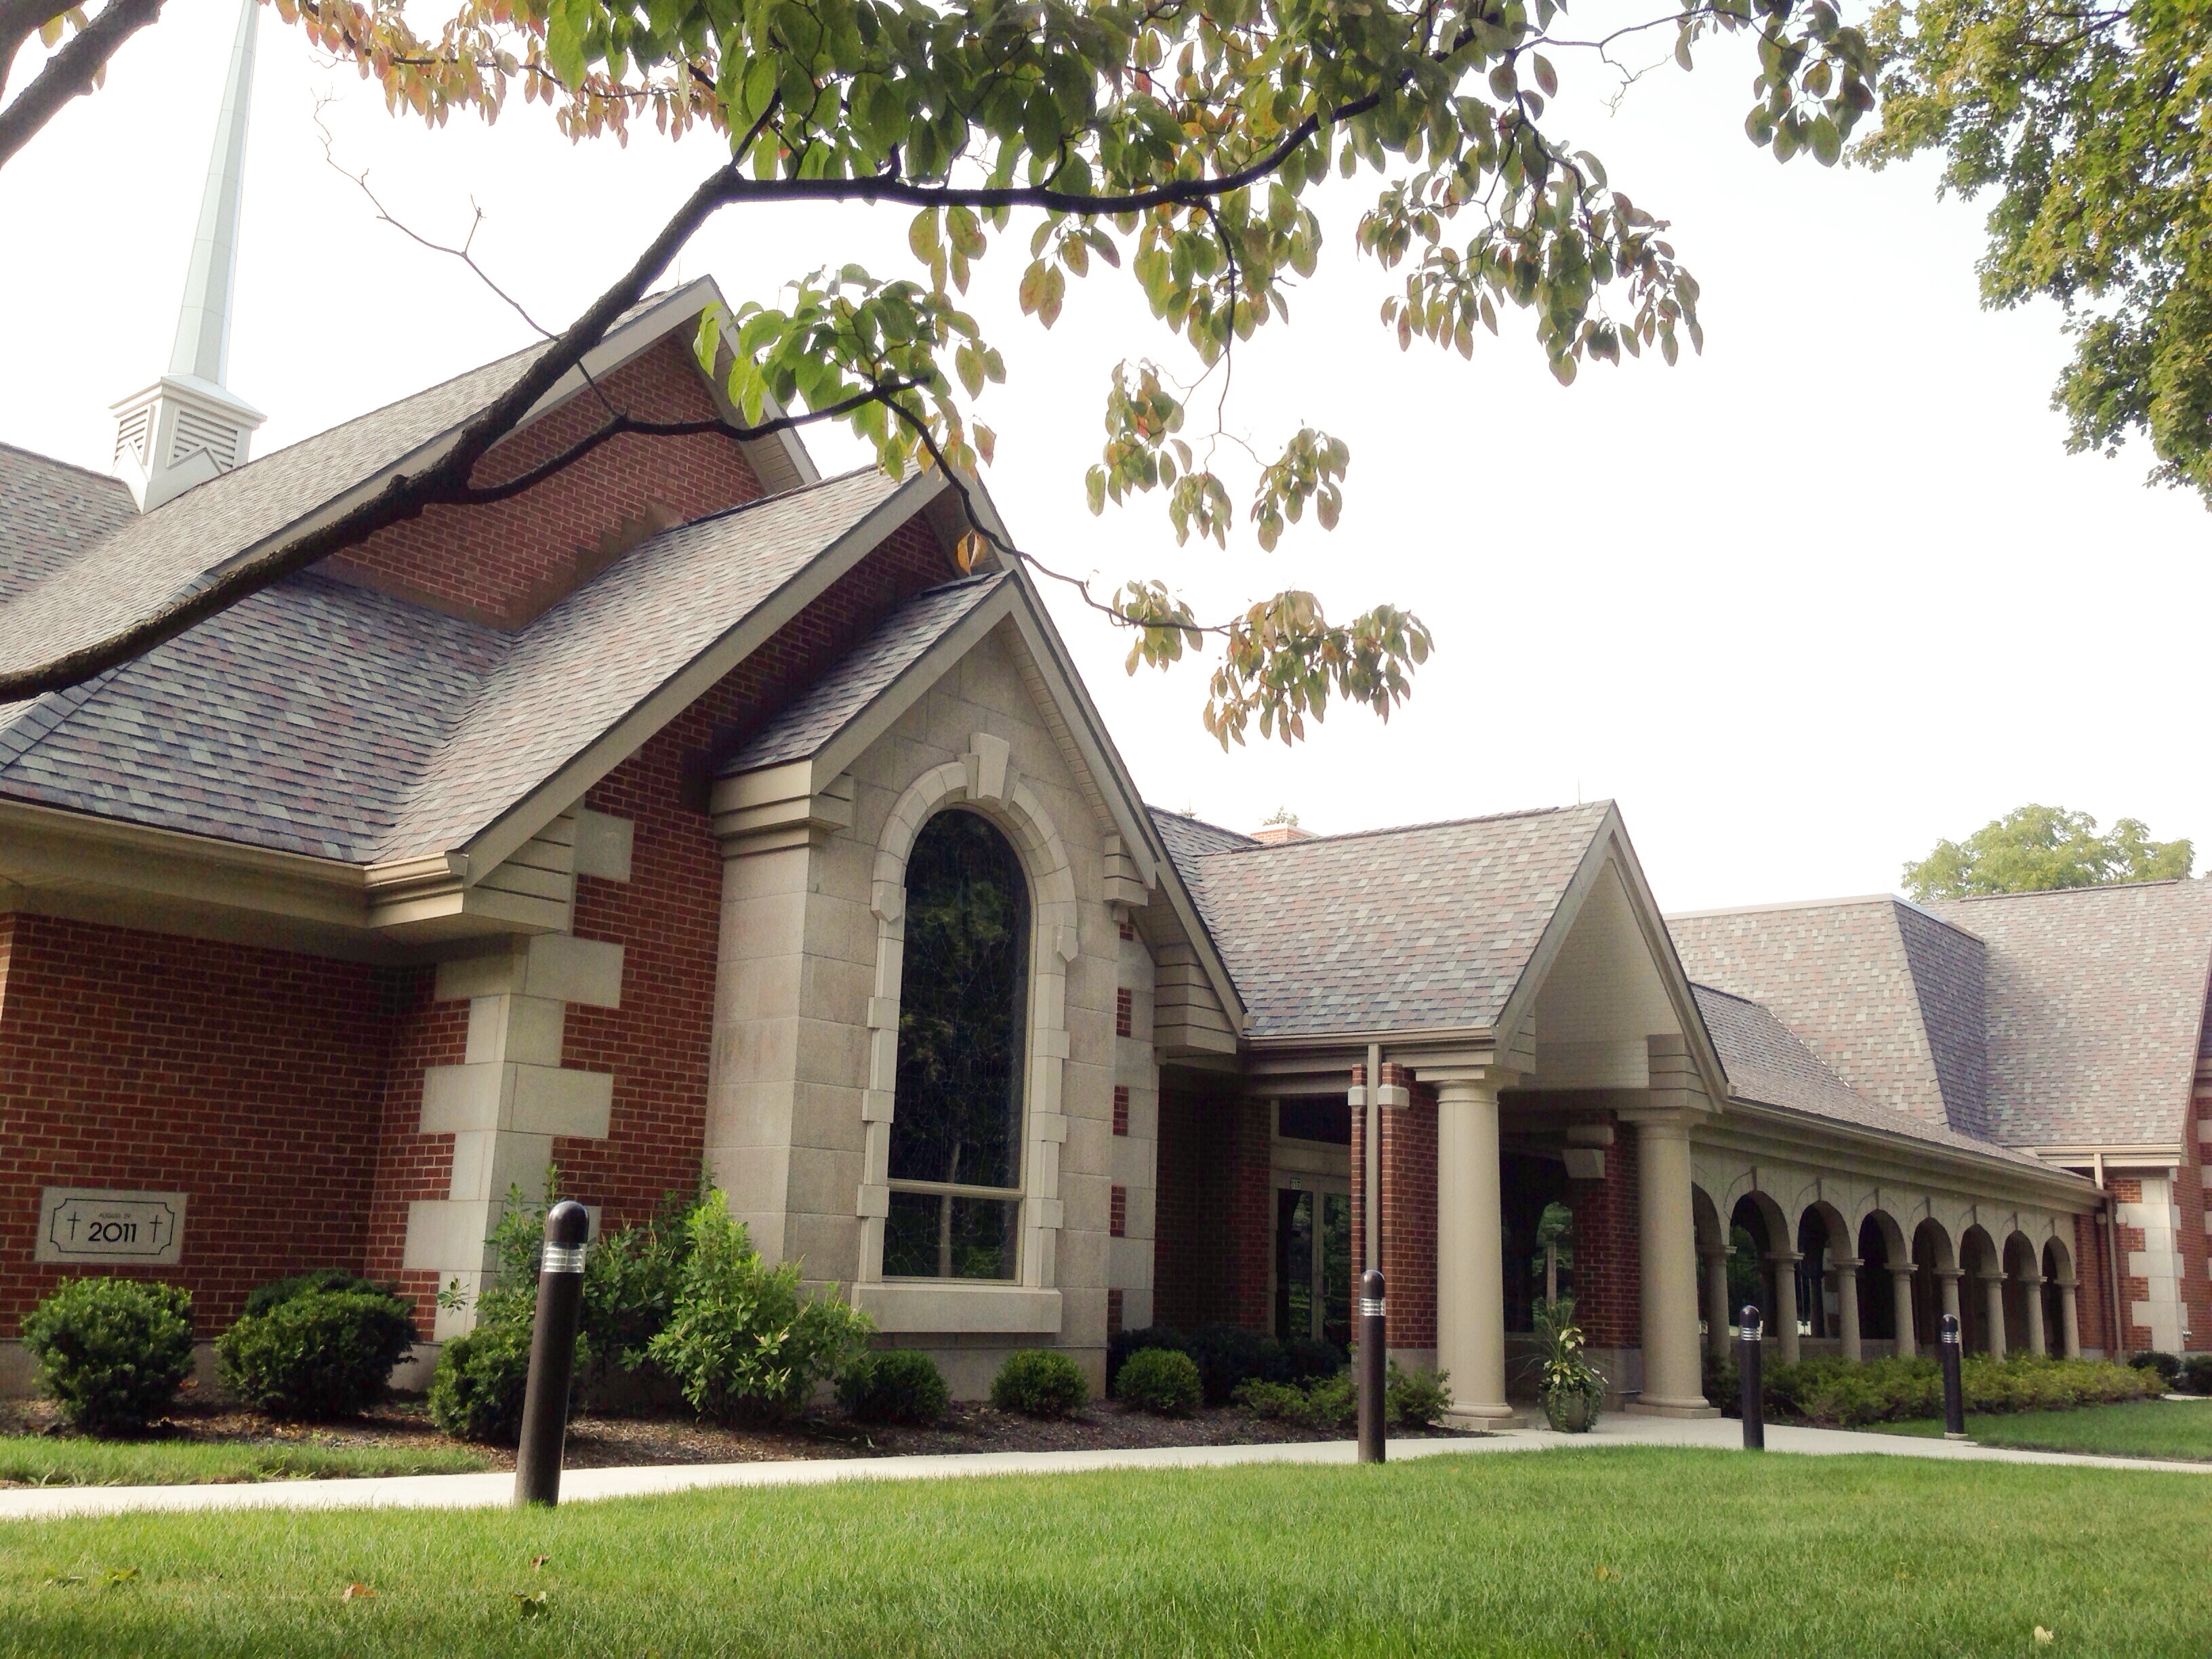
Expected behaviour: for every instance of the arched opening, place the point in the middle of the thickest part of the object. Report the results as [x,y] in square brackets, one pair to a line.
[1932,1261]
[1755,1234]
[1822,1241]
[1977,1256]
[1881,1249]
[956,1132]
[2022,1289]
[2062,1335]
[1713,1310]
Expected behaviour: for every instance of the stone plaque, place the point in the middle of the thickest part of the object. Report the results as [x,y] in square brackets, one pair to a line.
[90,1223]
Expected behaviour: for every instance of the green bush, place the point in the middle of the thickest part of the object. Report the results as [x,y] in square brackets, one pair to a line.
[2167,1365]
[112,1353]
[2196,1374]
[741,1341]
[318,1353]
[1040,1382]
[1833,1393]
[1410,1400]
[476,1392]
[1306,1359]
[1229,1356]
[1159,1380]
[266,1297]
[898,1385]
[1122,1343]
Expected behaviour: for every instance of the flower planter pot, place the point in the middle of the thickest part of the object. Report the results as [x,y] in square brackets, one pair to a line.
[1569,1413]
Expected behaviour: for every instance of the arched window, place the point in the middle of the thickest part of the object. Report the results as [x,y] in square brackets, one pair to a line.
[956,1143]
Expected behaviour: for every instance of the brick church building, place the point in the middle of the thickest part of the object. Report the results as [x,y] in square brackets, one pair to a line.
[690,808]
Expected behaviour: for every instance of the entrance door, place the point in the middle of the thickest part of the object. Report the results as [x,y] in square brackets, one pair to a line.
[1313,1265]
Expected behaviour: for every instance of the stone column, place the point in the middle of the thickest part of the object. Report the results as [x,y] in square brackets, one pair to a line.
[1948,1278]
[2038,1339]
[2069,1319]
[1847,1306]
[1785,1302]
[1901,1293]
[1667,1240]
[1993,1304]
[1470,1255]
[1716,1299]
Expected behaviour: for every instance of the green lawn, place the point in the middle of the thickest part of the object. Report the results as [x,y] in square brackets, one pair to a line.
[52,1461]
[1643,1551]
[2141,1428]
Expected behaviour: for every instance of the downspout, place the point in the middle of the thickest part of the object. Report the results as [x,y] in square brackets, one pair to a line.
[1371,1175]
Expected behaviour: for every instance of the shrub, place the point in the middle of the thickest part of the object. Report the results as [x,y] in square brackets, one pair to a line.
[2196,1374]
[1835,1393]
[1410,1400]
[1305,1359]
[741,1341]
[1160,1381]
[1229,1356]
[2167,1365]
[1122,1343]
[477,1390]
[318,1354]
[112,1353]
[266,1297]
[1416,1399]
[1040,1382]
[1724,1384]
[899,1385]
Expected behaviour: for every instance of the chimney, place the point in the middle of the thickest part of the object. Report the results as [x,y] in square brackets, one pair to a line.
[187,426]
[1278,834]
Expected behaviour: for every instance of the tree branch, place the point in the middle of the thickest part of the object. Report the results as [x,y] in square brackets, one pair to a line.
[72,71]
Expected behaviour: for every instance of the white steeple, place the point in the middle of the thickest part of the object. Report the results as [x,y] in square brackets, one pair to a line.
[186,428]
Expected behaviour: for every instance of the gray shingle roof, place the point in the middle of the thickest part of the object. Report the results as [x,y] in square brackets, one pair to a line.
[50,511]
[864,674]
[1188,837]
[322,718]
[1428,928]
[1766,1063]
[1839,976]
[2096,1000]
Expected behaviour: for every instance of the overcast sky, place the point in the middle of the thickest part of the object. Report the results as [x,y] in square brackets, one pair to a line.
[1802,605]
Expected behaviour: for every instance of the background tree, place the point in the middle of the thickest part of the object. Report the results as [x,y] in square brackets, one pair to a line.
[2088,121]
[2036,849]
[1182,143]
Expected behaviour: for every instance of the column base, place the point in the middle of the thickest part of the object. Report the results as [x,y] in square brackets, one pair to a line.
[1487,1419]
[1685,1408]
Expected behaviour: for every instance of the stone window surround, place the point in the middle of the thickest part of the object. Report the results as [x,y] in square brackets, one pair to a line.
[984,781]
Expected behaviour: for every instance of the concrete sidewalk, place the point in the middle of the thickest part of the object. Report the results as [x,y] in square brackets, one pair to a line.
[497,1489]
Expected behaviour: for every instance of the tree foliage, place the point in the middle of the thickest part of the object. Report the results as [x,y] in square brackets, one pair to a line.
[1182,144]
[2087,123]
[2036,849]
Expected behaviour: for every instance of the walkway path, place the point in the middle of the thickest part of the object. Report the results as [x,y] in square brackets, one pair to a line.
[497,1488]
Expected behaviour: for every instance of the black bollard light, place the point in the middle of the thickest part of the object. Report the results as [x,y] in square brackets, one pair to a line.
[1954,1392]
[1747,1364]
[1372,1362]
[552,1355]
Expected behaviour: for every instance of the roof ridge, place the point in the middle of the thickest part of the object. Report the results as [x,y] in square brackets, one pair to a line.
[2054,892]
[1203,823]
[1398,829]
[55,461]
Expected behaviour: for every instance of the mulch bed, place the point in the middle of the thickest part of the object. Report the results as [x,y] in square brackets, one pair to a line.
[612,1441]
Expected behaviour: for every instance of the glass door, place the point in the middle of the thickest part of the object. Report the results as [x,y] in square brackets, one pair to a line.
[1313,1265]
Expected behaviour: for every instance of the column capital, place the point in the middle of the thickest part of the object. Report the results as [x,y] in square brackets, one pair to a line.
[1785,1258]
[1662,1119]
[1466,1082]
[1904,1272]
[1854,1262]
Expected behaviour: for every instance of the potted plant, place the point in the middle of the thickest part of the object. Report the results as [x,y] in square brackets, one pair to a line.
[1569,1385]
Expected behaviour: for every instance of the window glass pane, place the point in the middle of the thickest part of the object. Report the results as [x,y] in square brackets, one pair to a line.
[1294,1264]
[1336,1269]
[942,1235]
[958,1113]
[1315,1120]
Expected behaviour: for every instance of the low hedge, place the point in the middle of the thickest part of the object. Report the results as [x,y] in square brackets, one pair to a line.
[896,1385]
[317,1353]
[1832,1392]
[1040,1382]
[1412,1398]
[1159,1380]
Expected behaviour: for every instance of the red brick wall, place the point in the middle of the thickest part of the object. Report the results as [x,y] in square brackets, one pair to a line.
[1213,1229]
[422,1032]
[506,562]
[2188,1195]
[1409,1215]
[2092,1296]
[246,1079]
[2126,1241]
[1608,1272]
